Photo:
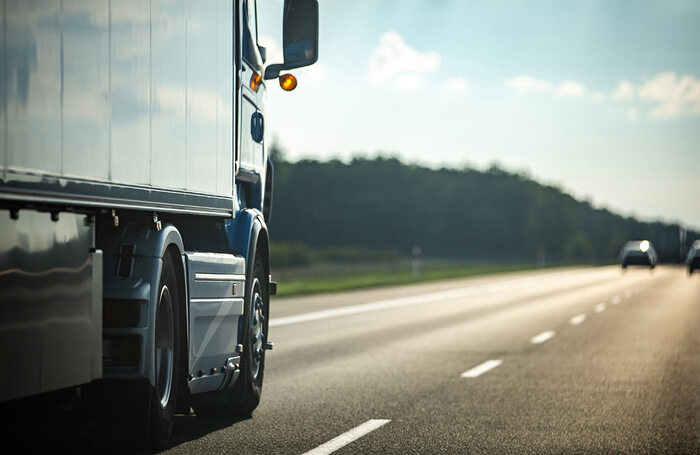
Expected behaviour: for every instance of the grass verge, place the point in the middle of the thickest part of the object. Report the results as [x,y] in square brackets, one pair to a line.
[340,280]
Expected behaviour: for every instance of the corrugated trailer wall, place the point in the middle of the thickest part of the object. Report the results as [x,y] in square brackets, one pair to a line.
[113,91]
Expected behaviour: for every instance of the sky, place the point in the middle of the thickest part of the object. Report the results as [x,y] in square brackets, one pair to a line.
[599,97]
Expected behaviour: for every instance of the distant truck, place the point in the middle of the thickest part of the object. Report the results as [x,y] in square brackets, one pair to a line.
[135,191]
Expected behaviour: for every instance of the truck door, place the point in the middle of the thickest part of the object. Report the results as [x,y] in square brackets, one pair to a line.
[252,122]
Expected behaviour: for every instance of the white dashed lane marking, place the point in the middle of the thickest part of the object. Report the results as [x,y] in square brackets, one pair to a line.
[600,308]
[615,300]
[576,320]
[348,437]
[542,337]
[481,369]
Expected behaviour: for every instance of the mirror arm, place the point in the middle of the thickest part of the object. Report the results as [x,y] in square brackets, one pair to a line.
[273,71]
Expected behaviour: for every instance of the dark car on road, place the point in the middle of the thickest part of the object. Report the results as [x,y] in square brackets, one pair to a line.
[693,260]
[638,252]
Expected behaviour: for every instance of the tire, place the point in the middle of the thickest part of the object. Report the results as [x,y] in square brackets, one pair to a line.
[142,413]
[244,396]
[162,399]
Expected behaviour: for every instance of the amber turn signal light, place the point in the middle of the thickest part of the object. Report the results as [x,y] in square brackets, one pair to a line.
[288,82]
[255,81]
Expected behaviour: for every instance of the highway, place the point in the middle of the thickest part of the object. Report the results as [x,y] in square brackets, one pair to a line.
[576,360]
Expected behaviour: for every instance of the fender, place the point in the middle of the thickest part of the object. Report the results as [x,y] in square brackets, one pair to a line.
[146,239]
[149,246]
[243,233]
[258,232]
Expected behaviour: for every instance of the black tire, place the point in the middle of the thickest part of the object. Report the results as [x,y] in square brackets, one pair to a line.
[244,396]
[162,399]
[135,405]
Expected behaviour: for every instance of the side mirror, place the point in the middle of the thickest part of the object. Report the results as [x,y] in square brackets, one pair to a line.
[300,36]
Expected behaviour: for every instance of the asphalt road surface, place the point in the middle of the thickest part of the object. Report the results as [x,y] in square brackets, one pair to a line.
[585,360]
[580,360]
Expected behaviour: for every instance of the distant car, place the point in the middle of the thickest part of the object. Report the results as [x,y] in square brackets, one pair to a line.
[638,252]
[694,257]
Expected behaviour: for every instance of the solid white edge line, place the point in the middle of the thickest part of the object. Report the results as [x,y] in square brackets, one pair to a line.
[479,289]
[578,319]
[600,308]
[481,369]
[542,337]
[395,303]
[374,306]
[347,437]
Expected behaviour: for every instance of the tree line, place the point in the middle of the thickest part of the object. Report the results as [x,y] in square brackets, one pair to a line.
[382,204]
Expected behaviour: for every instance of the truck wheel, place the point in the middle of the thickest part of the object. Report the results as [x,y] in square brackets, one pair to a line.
[166,358]
[241,399]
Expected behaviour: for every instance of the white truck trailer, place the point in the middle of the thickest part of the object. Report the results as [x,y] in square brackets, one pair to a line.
[134,194]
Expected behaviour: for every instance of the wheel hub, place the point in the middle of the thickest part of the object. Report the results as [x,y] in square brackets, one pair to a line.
[165,344]
[258,336]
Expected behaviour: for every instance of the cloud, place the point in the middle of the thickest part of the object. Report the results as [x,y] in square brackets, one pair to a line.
[524,83]
[624,90]
[457,86]
[570,89]
[673,95]
[567,89]
[393,62]
[409,82]
[669,94]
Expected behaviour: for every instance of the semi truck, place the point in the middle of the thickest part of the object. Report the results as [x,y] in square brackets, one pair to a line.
[135,191]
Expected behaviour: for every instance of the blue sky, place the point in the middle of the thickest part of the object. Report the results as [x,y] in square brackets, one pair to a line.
[601,98]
